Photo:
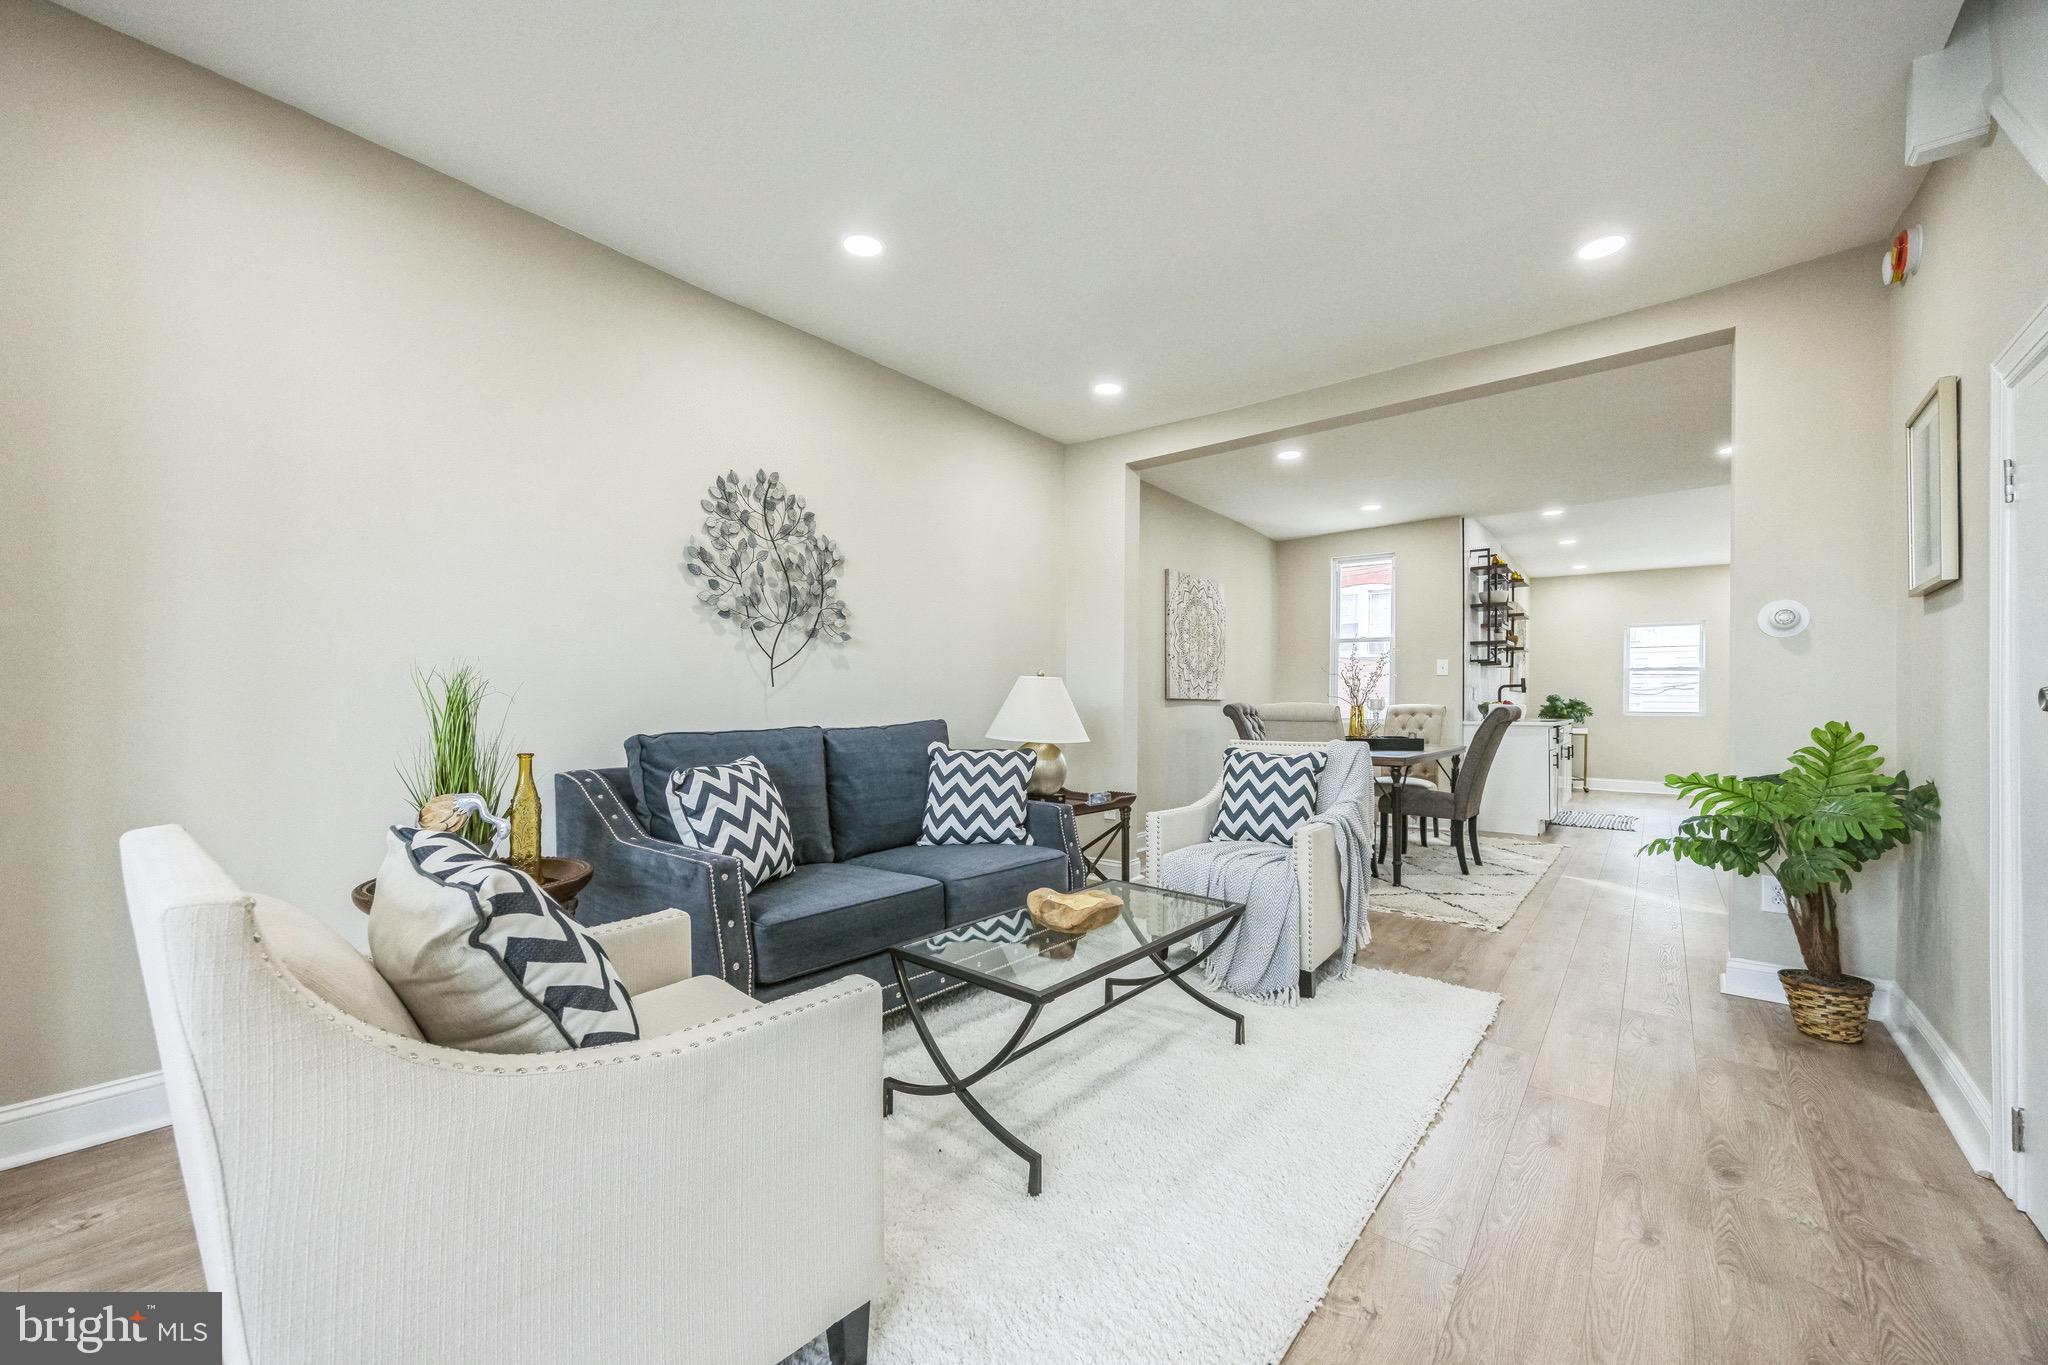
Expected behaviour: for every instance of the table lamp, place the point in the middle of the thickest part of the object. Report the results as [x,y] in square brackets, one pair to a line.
[1039,715]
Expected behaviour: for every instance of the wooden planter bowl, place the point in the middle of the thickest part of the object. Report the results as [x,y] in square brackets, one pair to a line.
[1834,1008]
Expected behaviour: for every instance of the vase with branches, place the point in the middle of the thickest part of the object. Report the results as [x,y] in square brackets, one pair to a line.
[1833,811]
[767,568]
[459,753]
[1358,682]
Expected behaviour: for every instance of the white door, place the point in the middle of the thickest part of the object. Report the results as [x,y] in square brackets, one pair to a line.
[2026,713]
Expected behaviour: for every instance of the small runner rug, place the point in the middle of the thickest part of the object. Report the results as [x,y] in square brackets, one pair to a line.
[1594,819]
[1433,888]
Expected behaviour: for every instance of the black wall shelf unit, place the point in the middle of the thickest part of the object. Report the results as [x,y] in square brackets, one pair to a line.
[1499,610]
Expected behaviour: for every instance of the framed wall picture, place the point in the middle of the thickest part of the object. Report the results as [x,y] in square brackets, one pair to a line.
[1934,504]
[1194,637]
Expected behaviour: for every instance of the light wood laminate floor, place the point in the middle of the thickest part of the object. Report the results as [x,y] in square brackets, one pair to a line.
[1634,1167]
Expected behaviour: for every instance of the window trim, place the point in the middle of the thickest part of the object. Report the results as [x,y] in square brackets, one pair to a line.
[1628,668]
[1392,637]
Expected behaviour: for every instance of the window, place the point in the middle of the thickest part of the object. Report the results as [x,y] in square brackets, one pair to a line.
[1662,669]
[1362,616]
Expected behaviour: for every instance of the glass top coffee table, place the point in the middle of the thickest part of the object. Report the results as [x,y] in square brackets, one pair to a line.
[1010,955]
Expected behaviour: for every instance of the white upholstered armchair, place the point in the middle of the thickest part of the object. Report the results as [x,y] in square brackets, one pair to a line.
[1314,859]
[710,1192]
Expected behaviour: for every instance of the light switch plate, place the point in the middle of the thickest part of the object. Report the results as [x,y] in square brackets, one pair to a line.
[1443,668]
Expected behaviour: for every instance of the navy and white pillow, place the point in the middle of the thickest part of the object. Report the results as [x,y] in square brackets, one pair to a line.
[976,796]
[737,810]
[1267,796]
[483,958]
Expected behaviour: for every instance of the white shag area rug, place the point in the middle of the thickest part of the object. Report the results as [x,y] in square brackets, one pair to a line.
[1433,888]
[1198,1195]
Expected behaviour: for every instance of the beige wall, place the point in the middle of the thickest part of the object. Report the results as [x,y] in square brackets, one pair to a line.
[283,414]
[1428,610]
[1180,743]
[1812,425]
[1986,272]
[1577,643]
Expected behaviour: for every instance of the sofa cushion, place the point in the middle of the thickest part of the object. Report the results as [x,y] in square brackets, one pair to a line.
[794,758]
[875,781]
[687,1003]
[733,809]
[483,958]
[976,796]
[824,914]
[980,879]
[323,962]
[1267,795]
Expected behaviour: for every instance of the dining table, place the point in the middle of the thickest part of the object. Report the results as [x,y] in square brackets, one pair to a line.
[1395,759]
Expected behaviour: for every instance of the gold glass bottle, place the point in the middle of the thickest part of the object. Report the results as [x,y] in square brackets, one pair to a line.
[1356,729]
[525,816]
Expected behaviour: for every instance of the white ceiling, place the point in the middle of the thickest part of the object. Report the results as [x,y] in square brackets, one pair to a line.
[1657,531]
[1629,453]
[1215,202]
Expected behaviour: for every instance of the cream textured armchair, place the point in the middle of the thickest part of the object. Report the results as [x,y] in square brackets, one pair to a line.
[1314,858]
[712,1191]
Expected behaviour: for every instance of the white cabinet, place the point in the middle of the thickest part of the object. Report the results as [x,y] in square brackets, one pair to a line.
[1531,778]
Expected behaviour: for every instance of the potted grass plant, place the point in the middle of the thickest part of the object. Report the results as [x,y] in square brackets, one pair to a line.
[1832,812]
[458,754]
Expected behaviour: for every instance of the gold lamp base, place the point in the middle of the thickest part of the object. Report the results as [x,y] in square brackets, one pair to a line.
[1050,774]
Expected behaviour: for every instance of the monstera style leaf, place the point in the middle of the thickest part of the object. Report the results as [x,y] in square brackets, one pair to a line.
[1813,827]
[767,568]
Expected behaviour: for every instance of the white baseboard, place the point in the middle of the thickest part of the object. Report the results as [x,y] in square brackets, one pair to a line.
[1753,980]
[34,1130]
[1956,1096]
[1627,784]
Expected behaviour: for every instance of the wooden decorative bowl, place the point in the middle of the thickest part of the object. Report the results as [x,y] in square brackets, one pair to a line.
[1072,912]
[562,878]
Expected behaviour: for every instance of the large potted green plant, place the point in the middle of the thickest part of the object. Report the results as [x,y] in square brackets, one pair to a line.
[1812,827]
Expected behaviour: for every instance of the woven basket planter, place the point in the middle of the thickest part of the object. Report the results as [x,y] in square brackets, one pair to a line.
[1834,1008]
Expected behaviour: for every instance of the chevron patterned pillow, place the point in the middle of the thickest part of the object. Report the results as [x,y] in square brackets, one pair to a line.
[976,796]
[734,809]
[1267,796]
[483,958]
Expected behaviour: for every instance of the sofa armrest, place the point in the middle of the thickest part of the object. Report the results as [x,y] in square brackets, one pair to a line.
[1322,907]
[1051,825]
[637,874]
[647,951]
[1181,827]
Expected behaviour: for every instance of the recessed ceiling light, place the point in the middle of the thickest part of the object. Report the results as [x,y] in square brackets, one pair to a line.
[1553,511]
[1569,540]
[860,244]
[1369,507]
[1602,246]
[1725,451]
[1289,454]
[1578,568]
[1107,388]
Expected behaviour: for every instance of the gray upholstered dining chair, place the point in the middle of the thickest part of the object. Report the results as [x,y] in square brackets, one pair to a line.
[1460,805]
[1309,722]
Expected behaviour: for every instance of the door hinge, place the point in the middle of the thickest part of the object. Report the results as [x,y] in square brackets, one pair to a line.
[2019,1130]
[2011,481]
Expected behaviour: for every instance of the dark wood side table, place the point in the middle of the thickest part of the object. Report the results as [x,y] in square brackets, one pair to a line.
[1092,850]
[562,878]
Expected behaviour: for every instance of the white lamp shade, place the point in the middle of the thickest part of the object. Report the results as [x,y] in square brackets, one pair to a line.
[1038,711]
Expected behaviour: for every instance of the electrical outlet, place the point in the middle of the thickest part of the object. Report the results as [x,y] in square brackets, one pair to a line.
[1443,668]
[1774,897]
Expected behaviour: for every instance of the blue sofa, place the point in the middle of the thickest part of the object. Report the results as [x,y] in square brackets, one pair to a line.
[862,882]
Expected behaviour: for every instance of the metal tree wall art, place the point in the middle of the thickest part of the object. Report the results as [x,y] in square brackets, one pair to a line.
[766,568]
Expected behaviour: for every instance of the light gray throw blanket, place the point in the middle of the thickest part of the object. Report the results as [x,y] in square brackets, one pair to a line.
[1262,958]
